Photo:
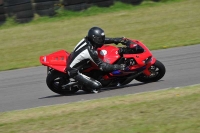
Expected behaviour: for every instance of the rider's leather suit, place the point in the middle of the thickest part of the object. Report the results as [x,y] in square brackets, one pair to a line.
[83,52]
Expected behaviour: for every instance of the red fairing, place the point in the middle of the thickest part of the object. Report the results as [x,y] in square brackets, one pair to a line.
[56,60]
[108,53]
[141,56]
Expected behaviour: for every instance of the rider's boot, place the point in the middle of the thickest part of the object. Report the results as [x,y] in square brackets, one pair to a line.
[88,82]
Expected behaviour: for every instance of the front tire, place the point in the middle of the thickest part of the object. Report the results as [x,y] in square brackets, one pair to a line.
[55,80]
[157,72]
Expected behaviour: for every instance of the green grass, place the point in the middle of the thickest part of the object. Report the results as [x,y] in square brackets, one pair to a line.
[166,111]
[158,25]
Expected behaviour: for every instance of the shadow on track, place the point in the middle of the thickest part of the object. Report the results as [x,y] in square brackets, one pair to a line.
[103,90]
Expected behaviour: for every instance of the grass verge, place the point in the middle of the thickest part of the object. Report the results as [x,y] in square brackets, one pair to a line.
[158,25]
[172,110]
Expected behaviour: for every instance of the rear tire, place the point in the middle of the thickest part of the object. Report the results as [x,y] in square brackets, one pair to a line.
[55,80]
[157,72]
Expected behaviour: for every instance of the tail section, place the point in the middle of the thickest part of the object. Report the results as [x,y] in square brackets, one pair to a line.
[56,60]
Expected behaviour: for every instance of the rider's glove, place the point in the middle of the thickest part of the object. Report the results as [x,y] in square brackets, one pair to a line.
[121,40]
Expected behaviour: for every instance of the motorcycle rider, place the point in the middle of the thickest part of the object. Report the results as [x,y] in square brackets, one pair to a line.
[86,50]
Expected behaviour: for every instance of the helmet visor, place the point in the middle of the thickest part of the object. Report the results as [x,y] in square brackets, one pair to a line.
[99,40]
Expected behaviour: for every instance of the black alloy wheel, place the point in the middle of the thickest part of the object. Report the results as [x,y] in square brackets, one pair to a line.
[55,81]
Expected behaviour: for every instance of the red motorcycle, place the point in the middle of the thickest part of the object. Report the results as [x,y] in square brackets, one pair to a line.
[141,66]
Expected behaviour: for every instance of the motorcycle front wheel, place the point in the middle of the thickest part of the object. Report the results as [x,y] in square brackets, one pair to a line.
[55,80]
[157,72]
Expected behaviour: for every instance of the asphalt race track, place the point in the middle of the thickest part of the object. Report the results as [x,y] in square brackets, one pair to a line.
[26,88]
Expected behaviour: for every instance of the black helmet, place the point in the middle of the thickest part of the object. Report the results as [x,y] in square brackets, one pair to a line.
[96,36]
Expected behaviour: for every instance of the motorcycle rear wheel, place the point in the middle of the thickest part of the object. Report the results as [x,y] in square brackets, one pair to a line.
[55,80]
[157,72]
